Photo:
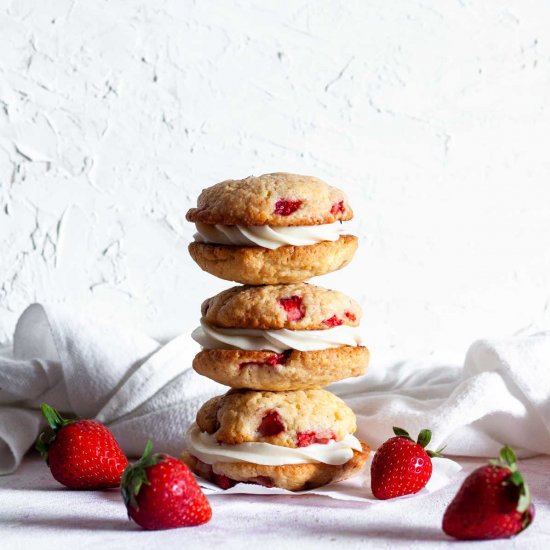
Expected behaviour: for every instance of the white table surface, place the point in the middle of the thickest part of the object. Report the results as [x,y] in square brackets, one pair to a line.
[37,512]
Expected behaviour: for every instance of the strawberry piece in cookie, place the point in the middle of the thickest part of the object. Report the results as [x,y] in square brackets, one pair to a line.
[223,482]
[264,481]
[337,208]
[274,360]
[294,307]
[333,321]
[272,424]
[206,471]
[285,207]
[309,438]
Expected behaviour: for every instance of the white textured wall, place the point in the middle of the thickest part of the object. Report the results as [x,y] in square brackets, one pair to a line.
[433,115]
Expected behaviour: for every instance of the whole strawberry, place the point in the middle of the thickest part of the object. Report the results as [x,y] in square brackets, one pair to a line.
[402,466]
[81,454]
[160,492]
[493,502]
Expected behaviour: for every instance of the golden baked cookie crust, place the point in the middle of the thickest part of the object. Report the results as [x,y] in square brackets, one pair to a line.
[294,370]
[255,265]
[279,199]
[294,306]
[287,418]
[293,477]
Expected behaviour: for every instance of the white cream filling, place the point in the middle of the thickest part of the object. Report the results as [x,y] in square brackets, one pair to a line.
[210,337]
[267,236]
[205,447]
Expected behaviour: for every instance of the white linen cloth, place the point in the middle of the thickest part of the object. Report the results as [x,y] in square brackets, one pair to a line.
[141,389]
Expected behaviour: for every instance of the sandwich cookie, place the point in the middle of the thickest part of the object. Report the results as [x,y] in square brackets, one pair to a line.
[295,440]
[270,229]
[280,337]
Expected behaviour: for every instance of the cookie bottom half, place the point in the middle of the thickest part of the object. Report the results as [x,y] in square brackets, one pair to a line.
[255,265]
[292,477]
[292,370]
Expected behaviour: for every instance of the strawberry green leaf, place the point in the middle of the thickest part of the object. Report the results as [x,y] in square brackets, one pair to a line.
[135,476]
[424,437]
[400,432]
[524,498]
[55,422]
[508,459]
[132,481]
[42,447]
[516,479]
[146,451]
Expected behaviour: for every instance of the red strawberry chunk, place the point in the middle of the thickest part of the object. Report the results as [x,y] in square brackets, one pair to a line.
[351,316]
[206,471]
[272,424]
[333,321]
[308,438]
[337,208]
[294,307]
[222,481]
[265,481]
[273,360]
[285,207]
[203,469]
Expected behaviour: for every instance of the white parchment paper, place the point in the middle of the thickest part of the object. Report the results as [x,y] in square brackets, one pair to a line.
[356,488]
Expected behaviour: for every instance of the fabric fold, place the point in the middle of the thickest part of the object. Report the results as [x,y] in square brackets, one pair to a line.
[500,395]
[91,368]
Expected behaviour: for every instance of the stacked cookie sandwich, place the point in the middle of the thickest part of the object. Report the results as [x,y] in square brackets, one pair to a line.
[276,340]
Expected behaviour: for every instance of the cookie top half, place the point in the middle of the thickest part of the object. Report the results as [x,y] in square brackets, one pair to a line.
[299,306]
[278,199]
[288,418]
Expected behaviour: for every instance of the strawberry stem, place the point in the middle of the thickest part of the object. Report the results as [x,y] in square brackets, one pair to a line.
[438,453]
[508,456]
[506,459]
[53,418]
